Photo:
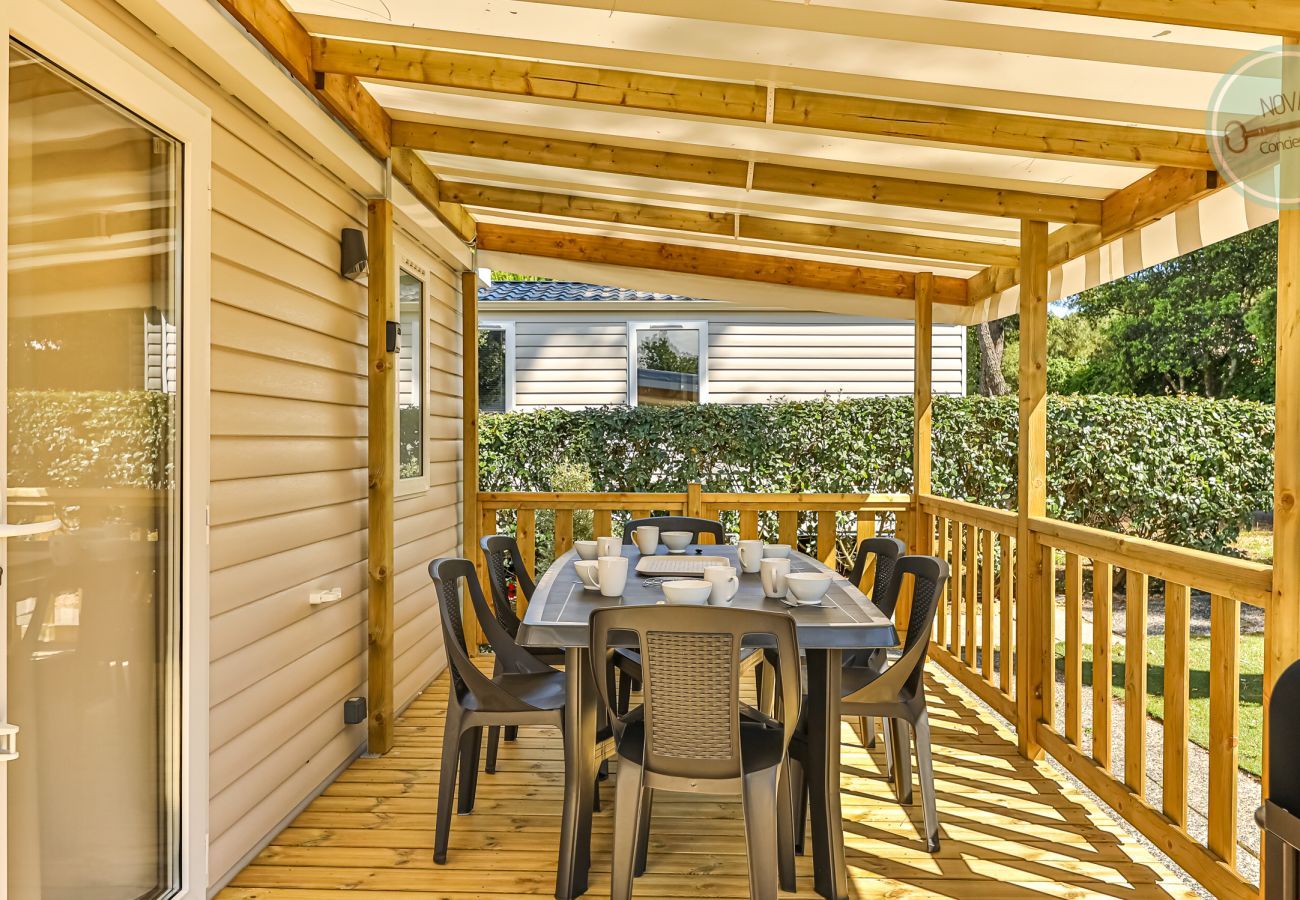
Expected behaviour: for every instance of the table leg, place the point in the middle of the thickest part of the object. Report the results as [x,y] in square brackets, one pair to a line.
[579,775]
[830,878]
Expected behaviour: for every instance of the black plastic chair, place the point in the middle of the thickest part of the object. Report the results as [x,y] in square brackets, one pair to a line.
[525,691]
[895,692]
[689,735]
[886,551]
[692,524]
[503,561]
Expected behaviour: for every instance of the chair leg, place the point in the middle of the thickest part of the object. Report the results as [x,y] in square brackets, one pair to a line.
[799,800]
[925,771]
[624,693]
[493,740]
[867,725]
[471,743]
[446,787]
[902,760]
[758,795]
[643,831]
[512,733]
[627,816]
[887,732]
[766,674]
[785,827]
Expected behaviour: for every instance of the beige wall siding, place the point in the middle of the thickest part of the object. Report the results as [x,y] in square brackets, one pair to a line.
[573,361]
[288,491]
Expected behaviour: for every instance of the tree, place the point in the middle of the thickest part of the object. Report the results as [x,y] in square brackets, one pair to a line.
[657,352]
[991,337]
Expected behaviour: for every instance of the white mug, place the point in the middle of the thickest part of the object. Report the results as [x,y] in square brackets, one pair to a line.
[647,539]
[613,575]
[725,584]
[588,573]
[774,571]
[608,546]
[751,556]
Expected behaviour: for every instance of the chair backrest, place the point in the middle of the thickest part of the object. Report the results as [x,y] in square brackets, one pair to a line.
[692,524]
[447,574]
[887,550]
[929,574]
[690,658]
[502,553]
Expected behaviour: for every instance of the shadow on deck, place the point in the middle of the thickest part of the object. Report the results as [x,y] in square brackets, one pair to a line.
[1010,828]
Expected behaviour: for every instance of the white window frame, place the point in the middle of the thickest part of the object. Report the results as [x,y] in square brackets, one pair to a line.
[408,261]
[507,326]
[88,53]
[635,325]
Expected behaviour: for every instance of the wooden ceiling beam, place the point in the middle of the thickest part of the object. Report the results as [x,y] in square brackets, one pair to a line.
[717,263]
[621,212]
[411,171]
[866,116]
[1159,194]
[1279,17]
[735,173]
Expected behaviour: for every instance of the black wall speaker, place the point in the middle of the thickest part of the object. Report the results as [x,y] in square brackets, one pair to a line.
[352,254]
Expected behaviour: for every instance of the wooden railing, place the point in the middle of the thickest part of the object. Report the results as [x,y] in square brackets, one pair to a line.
[975,639]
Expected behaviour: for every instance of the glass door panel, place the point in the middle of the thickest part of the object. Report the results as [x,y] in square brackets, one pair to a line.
[92,363]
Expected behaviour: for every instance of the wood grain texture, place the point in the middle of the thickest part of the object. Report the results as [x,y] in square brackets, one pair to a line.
[470,516]
[1135,681]
[1281,17]
[1073,648]
[1225,715]
[922,405]
[1103,575]
[1178,615]
[1010,827]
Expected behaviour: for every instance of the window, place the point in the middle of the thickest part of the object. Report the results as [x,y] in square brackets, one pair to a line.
[496,367]
[410,383]
[666,363]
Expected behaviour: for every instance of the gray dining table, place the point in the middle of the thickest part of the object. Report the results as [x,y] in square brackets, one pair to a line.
[558,617]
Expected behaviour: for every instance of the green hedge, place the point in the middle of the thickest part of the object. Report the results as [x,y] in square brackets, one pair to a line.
[1183,470]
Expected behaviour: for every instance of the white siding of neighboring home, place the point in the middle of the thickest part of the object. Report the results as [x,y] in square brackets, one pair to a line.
[574,361]
[288,493]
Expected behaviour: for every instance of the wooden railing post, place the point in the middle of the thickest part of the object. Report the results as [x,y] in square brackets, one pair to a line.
[380,456]
[469,440]
[1031,469]
[1282,631]
[921,538]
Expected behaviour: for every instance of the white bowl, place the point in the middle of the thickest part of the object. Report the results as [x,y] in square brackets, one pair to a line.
[676,541]
[808,587]
[776,551]
[687,591]
[586,549]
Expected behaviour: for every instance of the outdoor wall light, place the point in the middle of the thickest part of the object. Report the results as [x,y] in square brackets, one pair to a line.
[352,254]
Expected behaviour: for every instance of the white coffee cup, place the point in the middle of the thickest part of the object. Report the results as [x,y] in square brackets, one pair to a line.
[647,539]
[613,575]
[588,573]
[776,551]
[774,570]
[725,584]
[586,549]
[751,556]
[608,546]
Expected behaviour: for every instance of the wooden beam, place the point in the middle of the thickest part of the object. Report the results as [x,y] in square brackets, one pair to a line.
[1152,197]
[274,26]
[380,457]
[472,514]
[1032,585]
[735,173]
[411,171]
[922,409]
[624,212]
[1280,17]
[867,116]
[718,263]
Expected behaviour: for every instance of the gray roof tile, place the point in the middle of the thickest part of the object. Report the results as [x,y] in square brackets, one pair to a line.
[568,292]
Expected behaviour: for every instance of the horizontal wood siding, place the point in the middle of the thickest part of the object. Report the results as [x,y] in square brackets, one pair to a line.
[574,361]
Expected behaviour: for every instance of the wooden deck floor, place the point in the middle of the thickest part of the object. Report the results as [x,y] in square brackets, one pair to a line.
[1011,829]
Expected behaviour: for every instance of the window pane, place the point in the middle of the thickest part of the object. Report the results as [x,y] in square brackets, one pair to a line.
[94,343]
[410,378]
[667,366]
[492,370]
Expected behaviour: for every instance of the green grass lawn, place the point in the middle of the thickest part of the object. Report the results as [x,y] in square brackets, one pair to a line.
[1256,545]
[1198,653]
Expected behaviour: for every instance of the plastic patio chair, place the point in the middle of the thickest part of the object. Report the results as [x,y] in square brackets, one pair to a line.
[689,736]
[525,692]
[503,560]
[895,692]
[886,550]
[695,526]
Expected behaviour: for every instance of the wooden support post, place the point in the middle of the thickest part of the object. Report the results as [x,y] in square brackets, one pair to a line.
[381,454]
[1136,585]
[1225,687]
[469,442]
[1073,649]
[1035,597]
[922,410]
[1282,634]
[1102,605]
[1178,616]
